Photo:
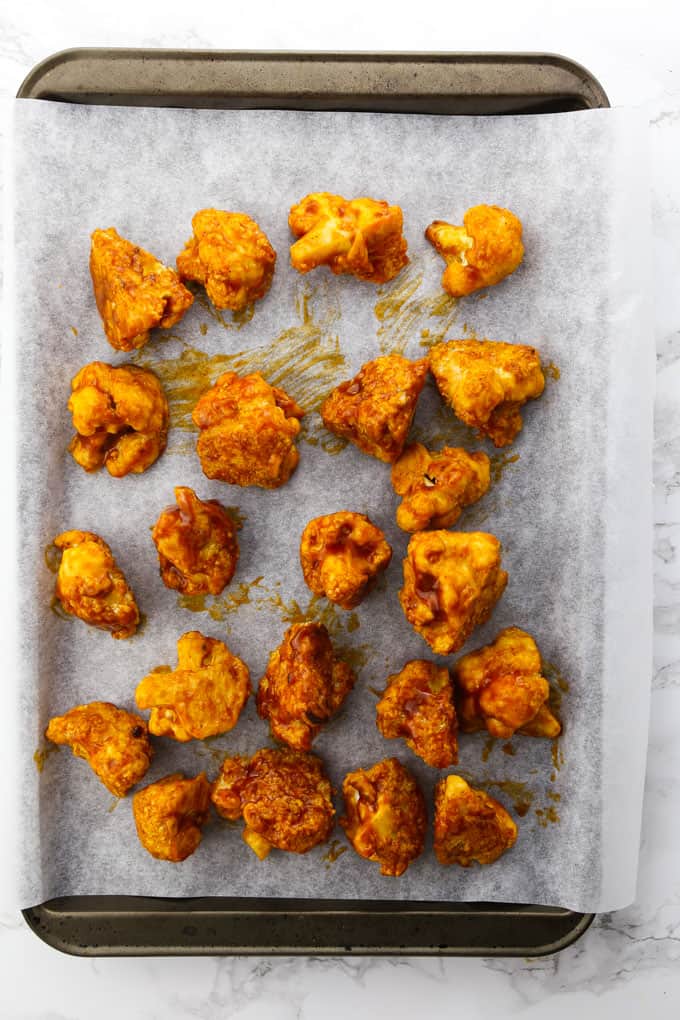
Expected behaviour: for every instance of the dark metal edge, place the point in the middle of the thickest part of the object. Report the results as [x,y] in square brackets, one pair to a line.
[64,928]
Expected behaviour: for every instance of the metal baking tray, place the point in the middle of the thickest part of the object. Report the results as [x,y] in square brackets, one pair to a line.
[433,83]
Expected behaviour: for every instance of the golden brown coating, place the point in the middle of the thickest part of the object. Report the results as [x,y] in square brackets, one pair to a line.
[341,556]
[385,815]
[437,486]
[113,742]
[362,237]
[374,410]
[283,796]
[452,581]
[482,252]
[204,696]
[91,586]
[170,814]
[469,825]
[230,256]
[196,543]
[248,431]
[418,706]
[303,686]
[500,688]
[133,290]
[486,382]
[120,415]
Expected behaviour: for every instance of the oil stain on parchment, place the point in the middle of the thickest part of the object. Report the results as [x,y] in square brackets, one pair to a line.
[405,315]
[41,754]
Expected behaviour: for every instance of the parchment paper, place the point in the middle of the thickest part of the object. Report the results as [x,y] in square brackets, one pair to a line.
[572,512]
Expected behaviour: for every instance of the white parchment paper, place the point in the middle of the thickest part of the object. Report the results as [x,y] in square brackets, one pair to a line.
[573,511]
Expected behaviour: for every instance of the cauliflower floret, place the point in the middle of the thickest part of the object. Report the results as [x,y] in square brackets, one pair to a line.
[385,818]
[133,290]
[500,687]
[204,696]
[418,706]
[120,415]
[91,586]
[481,253]
[486,382]
[230,256]
[452,581]
[303,686]
[283,796]
[341,556]
[362,237]
[469,825]
[374,410]
[248,429]
[197,544]
[113,742]
[437,486]
[169,815]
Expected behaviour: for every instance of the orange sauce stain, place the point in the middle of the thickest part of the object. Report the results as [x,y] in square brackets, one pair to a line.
[58,610]
[221,606]
[509,749]
[52,557]
[547,816]
[374,690]
[499,462]
[552,371]
[556,754]
[488,747]
[402,314]
[521,797]
[203,328]
[237,517]
[74,330]
[41,754]
[335,850]
[113,805]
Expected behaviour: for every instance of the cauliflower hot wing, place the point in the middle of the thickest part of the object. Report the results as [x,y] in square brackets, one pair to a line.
[304,685]
[437,486]
[469,825]
[374,410]
[341,556]
[197,544]
[204,696]
[482,252]
[92,587]
[230,256]
[133,290]
[120,416]
[500,687]
[170,814]
[113,742]
[418,706]
[283,797]
[486,382]
[452,581]
[386,817]
[248,431]
[361,237]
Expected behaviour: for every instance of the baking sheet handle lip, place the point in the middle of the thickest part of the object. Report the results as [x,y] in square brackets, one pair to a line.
[597,97]
[39,919]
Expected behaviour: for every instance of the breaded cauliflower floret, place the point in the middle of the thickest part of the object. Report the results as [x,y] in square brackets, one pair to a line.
[418,706]
[170,814]
[385,818]
[304,685]
[113,742]
[341,556]
[469,825]
[120,415]
[482,252]
[374,410]
[500,687]
[486,382]
[362,237]
[283,796]
[204,696]
[437,486]
[91,586]
[230,256]
[133,290]
[248,430]
[452,581]
[196,543]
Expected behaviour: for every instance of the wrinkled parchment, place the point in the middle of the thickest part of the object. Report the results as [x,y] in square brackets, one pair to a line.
[570,501]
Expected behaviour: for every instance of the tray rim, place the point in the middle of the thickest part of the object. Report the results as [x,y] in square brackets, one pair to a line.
[37,917]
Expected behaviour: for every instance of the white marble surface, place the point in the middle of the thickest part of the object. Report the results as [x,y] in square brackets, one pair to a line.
[628,961]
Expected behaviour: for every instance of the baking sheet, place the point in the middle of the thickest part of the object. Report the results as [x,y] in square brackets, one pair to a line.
[576,548]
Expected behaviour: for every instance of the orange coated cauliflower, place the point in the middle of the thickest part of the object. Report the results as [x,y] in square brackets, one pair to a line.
[92,587]
[482,252]
[469,825]
[437,486]
[170,814]
[341,556]
[418,706]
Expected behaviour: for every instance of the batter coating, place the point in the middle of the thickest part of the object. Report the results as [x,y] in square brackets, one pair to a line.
[469,825]
[418,706]
[482,252]
[437,486]
[91,586]
[341,556]
[169,815]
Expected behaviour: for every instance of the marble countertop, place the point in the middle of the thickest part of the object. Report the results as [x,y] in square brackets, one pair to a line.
[628,960]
